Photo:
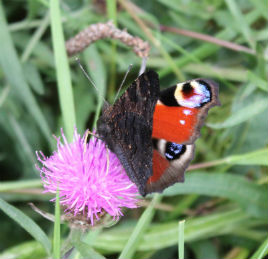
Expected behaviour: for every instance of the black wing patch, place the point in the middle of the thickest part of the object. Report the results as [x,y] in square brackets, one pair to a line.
[126,127]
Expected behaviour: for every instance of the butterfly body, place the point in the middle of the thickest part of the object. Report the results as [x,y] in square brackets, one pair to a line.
[152,132]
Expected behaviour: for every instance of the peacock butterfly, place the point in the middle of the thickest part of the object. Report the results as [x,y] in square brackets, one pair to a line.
[152,132]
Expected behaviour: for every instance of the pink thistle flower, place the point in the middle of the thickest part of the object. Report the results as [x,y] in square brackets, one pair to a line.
[89,177]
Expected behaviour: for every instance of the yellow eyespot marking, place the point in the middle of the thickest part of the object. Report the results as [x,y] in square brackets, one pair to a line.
[195,84]
[178,92]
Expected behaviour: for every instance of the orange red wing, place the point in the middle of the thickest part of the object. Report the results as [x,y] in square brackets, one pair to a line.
[178,116]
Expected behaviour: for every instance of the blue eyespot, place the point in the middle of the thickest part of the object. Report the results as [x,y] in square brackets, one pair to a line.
[206,93]
[174,150]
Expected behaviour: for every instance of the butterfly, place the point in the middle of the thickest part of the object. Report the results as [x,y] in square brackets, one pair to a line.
[152,132]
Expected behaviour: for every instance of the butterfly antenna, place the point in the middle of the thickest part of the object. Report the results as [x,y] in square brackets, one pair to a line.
[143,65]
[89,79]
[123,81]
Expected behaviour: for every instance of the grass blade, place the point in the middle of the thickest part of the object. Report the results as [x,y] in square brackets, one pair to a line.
[112,15]
[258,157]
[243,26]
[181,239]
[63,71]
[208,70]
[57,236]
[26,223]
[137,234]
[26,184]
[261,251]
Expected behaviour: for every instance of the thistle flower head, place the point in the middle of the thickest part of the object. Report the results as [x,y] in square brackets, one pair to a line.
[89,177]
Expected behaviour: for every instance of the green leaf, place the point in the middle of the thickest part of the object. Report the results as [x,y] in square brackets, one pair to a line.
[261,6]
[87,251]
[36,36]
[14,74]
[98,73]
[159,236]
[242,115]
[85,104]
[212,71]
[33,8]
[190,8]
[27,224]
[258,157]
[22,140]
[259,82]
[208,49]
[251,196]
[41,51]
[32,75]
[204,249]
[25,250]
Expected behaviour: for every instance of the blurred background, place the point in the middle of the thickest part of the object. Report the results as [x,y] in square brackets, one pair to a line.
[225,199]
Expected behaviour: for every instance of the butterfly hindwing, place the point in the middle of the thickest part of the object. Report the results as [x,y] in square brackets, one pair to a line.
[170,160]
[126,127]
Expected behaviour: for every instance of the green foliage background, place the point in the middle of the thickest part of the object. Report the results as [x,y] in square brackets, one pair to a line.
[224,201]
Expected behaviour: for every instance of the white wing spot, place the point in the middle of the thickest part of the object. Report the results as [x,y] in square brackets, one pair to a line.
[182,122]
[187,112]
